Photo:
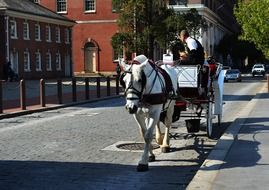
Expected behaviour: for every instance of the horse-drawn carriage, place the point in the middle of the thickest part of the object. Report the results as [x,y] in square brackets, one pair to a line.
[162,93]
[191,103]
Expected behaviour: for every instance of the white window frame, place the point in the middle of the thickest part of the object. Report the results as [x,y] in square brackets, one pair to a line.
[38,61]
[13,29]
[26,60]
[57,34]
[88,5]
[48,33]
[48,61]
[37,32]
[67,36]
[58,61]
[26,35]
[61,6]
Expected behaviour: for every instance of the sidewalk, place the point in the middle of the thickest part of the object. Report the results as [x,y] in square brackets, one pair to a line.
[240,160]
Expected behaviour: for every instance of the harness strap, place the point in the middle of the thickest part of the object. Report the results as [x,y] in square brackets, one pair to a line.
[167,79]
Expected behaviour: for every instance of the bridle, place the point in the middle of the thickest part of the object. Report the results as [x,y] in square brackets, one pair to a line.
[130,89]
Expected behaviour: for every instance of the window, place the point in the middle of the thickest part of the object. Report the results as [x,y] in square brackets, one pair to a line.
[13,29]
[58,34]
[25,31]
[48,34]
[67,36]
[90,5]
[26,60]
[36,1]
[61,6]
[37,32]
[38,61]
[48,61]
[58,62]
[178,2]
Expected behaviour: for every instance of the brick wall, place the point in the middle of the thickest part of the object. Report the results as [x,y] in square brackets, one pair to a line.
[20,45]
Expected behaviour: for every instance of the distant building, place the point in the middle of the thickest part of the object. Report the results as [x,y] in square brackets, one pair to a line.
[96,24]
[218,15]
[35,40]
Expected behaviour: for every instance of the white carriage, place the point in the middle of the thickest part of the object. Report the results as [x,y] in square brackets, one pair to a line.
[189,102]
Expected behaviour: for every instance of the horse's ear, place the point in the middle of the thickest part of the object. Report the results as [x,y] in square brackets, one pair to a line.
[122,63]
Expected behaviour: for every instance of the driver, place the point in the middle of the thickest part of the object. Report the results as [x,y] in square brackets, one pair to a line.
[194,51]
[193,54]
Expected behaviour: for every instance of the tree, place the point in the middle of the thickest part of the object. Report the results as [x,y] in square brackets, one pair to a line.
[143,23]
[253,16]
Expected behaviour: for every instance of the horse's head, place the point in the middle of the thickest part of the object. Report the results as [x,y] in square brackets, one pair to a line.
[133,81]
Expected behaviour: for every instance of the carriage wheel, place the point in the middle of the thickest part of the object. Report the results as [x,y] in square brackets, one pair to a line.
[209,119]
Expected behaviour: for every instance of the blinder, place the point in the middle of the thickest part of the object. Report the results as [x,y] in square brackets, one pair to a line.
[130,87]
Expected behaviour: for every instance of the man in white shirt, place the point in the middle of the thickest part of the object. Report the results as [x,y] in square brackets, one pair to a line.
[194,51]
[194,55]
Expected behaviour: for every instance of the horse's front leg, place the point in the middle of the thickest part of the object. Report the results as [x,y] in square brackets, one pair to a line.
[140,119]
[148,133]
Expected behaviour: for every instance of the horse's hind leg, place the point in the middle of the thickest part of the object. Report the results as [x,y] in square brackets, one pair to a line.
[159,136]
[165,147]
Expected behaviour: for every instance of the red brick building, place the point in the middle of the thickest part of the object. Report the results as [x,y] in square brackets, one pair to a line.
[35,40]
[96,24]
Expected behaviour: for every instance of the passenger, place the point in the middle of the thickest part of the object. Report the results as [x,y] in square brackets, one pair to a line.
[212,65]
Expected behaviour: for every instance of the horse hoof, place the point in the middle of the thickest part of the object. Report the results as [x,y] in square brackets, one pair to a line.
[142,167]
[165,149]
[151,158]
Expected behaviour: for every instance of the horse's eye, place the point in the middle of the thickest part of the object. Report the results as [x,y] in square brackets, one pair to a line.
[139,80]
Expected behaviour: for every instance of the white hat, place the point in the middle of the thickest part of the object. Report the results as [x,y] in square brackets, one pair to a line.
[141,58]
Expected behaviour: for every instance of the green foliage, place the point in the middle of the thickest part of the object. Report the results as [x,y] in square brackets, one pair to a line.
[253,16]
[143,23]
[194,22]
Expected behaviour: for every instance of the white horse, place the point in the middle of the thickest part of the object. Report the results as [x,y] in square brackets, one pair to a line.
[146,97]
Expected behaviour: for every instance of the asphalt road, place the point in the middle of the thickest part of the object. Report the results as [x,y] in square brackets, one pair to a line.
[74,148]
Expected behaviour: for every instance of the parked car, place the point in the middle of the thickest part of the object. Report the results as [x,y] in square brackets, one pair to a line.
[233,74]
[258,69]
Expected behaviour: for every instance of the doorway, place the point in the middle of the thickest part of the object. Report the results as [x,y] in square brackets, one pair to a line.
[90,59]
